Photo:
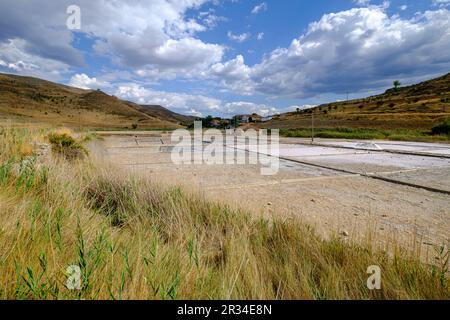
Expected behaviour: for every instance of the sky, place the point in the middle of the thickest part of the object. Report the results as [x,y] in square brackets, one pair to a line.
[227,57]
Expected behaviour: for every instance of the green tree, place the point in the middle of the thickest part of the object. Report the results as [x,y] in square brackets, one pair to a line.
[397,84]
[207,122]
[236,121]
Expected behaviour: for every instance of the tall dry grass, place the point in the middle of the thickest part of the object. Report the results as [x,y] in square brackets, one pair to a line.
[135,239]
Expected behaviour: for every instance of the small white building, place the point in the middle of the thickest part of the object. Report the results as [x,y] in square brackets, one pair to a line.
[244,119]
[249,118]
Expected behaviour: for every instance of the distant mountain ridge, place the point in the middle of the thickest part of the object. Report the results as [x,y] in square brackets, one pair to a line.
[27,99]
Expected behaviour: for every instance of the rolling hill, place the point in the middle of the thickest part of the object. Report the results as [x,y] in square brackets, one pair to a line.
[26,99]
[419,106]
[165,114]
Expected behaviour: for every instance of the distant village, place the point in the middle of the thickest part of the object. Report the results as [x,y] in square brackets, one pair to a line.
[236,121]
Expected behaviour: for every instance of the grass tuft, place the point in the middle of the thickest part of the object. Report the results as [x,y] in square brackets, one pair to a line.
[64,144]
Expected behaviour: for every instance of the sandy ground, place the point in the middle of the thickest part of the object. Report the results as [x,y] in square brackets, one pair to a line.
[336,203]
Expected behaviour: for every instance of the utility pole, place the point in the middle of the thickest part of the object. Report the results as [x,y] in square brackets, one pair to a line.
[312,126]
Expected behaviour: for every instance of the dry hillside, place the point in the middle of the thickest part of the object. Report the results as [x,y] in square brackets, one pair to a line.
[419,106]
[165,114]
[26,99]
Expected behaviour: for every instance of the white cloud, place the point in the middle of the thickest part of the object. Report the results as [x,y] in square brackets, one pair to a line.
[240,107]
[15,59]
[441,3]
[159,37]
[362,2]
[210,19]
[260,36]
[239,37]
[148,34]
[183,103]
[83,81]
[34,23]
[260,8]
[196,105]
[299,107]
[234,75]
[347,51]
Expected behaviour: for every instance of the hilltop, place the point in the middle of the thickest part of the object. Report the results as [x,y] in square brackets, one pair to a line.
[26,99]
[167,115]
[419,106]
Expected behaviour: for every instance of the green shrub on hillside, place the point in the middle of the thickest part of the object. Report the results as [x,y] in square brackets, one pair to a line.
[443,128]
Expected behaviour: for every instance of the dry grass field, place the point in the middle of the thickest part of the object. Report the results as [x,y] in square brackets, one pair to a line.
[133,238]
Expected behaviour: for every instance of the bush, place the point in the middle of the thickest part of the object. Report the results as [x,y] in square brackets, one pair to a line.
[66,145]
[443,128]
